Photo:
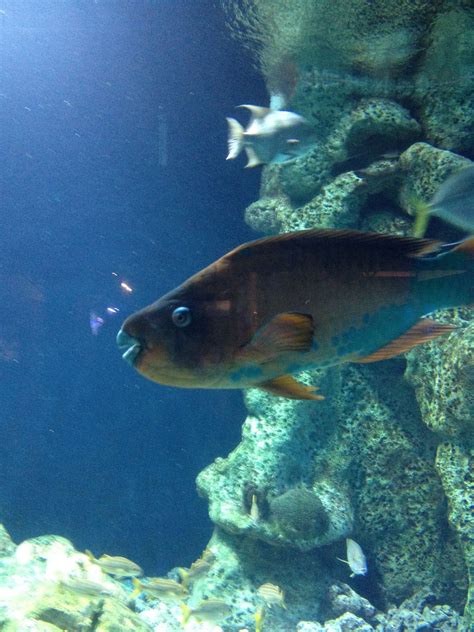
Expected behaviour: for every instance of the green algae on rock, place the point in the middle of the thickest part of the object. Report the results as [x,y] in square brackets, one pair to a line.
[445,75]
[455,465]
[443,378]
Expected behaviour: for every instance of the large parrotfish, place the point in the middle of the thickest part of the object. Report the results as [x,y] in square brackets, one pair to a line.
[307,299]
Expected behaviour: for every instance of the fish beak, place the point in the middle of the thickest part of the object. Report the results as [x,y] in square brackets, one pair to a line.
[131,346]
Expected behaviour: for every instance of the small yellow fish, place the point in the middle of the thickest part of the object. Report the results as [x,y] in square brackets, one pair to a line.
[116,565]
[86,587]
[160,587]
[210,610]
[272,595]
[197,569]
[259,619]
[208,555]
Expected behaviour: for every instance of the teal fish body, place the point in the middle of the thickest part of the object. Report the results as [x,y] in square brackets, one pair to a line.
[280,305]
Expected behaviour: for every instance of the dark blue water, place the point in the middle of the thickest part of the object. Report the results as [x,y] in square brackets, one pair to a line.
[88,448]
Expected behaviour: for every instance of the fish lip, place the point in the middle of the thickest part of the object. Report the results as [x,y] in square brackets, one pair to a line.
[132,347]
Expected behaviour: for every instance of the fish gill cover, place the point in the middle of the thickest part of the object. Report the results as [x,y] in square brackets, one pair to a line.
[383,462]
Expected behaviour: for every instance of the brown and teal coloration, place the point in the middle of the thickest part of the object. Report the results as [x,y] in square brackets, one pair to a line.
[313,298]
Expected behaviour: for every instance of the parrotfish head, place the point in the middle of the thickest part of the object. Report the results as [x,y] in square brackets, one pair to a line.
[185,338]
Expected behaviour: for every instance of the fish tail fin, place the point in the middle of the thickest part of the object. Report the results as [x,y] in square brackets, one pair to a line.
[90,555]
[466,248]
[184,574]
[422,216]
[186,610]
[137,588]
[259,619]
[235,141]
[452,283]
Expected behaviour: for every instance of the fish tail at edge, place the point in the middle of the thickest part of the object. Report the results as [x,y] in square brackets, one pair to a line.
[463,255]
[235,141]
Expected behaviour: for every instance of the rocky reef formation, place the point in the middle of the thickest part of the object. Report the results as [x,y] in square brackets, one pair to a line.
[361,463]
[47,586]
[387,458]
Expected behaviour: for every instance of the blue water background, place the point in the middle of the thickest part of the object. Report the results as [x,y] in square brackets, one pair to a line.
[88,448]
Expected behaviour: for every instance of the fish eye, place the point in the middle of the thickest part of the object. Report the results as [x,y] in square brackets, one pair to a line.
[181,316]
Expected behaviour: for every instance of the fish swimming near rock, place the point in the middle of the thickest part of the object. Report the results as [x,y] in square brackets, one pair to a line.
[453,202]
[198,569]
[116,565]
[272,595]
[271,136]
[210,610]
[158,587]
[86,587]
[301,300]
[355,558]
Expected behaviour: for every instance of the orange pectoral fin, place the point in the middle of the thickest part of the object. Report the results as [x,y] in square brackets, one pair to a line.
[286,332]
[423,331]
[286,386]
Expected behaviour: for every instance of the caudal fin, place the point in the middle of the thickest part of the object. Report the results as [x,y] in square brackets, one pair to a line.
[187,612]
[137,588]
[235,141]
[467,247]
[462,257]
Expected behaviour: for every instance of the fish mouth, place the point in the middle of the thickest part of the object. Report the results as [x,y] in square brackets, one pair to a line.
[131,345]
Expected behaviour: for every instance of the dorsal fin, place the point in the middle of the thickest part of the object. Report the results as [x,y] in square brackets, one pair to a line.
[408,246]
[257,111]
